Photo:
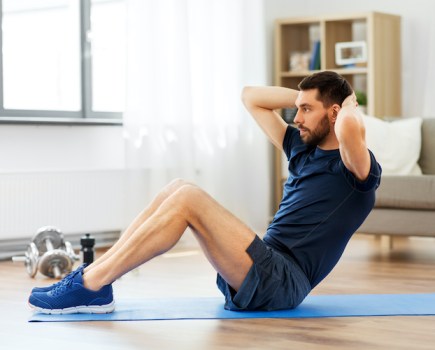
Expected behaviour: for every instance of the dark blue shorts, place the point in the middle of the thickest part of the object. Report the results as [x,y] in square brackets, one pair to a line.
[275,281]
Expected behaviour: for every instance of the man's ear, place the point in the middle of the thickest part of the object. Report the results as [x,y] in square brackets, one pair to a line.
[335,108]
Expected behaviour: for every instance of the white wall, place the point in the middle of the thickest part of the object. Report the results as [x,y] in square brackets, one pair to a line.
[418,41]
[56,153]
[59,148]
[72,177]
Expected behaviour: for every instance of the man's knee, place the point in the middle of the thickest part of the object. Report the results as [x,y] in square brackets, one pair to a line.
[178,183]
[189,191]
[189,197]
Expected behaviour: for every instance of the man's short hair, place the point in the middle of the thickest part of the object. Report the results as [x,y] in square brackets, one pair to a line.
[332,87]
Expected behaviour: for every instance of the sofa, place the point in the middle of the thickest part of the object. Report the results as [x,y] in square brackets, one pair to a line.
[405,204]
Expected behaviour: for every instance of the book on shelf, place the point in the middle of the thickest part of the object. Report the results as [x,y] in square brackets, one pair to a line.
[315,56]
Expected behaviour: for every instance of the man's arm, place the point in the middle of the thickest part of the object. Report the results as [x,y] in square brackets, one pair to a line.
[261,102]
[350,132]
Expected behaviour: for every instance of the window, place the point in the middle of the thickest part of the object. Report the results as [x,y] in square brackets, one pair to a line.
[63,58]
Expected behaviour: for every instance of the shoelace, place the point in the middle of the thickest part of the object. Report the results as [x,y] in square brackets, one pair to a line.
[67,277]
[65,283]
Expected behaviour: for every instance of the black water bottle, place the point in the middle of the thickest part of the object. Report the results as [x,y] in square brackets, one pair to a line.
[87,242]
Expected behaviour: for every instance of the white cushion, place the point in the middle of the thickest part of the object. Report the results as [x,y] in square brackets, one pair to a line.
[396,144]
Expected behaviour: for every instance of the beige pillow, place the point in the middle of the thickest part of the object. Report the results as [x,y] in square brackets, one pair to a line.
[395,144]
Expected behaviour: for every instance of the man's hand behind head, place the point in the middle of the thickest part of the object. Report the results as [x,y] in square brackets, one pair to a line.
[350,101]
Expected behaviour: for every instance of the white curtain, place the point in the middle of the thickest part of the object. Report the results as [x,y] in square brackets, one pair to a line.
[187,63]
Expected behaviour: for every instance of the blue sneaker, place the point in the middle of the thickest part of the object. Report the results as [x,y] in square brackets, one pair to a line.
[64,280]
[72,297]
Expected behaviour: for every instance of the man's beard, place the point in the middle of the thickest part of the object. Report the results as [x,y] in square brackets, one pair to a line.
[316,136]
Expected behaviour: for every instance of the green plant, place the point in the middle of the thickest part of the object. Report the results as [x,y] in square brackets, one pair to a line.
[361,98]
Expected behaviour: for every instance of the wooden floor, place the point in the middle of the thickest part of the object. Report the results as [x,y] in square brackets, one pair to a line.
[364,268]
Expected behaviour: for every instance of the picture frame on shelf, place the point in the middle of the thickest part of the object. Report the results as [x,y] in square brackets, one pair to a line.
[349,53]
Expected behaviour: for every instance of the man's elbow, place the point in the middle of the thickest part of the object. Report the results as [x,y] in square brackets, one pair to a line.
[247,95]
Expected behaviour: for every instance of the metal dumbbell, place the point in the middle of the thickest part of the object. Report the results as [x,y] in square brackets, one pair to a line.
[48,252]
[30,259]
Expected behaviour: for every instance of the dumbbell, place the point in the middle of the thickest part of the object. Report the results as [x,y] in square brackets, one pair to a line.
[30,259]
[56,255]
[48,252]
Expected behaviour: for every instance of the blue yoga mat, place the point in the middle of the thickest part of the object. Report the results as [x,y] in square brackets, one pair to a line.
[212,308]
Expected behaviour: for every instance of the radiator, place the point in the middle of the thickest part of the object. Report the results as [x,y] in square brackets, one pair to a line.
[74,201]
[101,202]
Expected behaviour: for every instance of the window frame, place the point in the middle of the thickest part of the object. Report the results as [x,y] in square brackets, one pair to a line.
[84,116]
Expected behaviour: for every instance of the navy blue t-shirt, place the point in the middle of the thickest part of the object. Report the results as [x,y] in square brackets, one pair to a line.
[323,205]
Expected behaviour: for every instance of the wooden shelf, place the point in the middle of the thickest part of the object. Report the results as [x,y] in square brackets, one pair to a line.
[379,77]
[351,71]
[341,71]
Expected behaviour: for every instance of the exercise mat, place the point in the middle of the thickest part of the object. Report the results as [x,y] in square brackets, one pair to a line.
[213,308]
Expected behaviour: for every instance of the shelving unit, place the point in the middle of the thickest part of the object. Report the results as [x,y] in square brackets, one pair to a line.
[379,77]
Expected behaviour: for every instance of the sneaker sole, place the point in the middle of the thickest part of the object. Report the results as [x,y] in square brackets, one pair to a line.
[93,309]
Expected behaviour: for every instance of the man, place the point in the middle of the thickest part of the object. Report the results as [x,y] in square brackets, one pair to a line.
[329,193]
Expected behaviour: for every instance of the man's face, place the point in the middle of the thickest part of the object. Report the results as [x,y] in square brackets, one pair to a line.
[312,118]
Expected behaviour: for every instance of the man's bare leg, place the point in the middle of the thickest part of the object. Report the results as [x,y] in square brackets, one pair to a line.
[140,219]
[222,236]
